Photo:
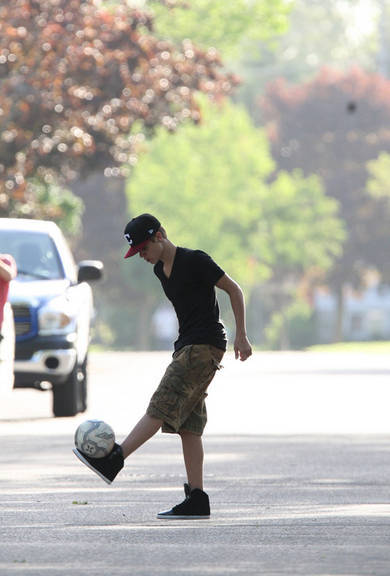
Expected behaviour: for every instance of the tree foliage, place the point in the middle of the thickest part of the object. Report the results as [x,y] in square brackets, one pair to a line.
[379,176]
[210,187]
[300,227]
[319,34]
[378,188]
[80,87]
[332,126]
[57,203]
[228,26]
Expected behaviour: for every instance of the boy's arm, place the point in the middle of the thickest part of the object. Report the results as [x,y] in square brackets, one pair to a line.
[242,347]
[7,268]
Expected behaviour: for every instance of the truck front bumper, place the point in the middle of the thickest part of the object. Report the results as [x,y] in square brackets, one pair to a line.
[60,362]
[37,361]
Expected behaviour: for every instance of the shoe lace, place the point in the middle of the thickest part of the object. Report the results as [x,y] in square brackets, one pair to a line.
[187,490]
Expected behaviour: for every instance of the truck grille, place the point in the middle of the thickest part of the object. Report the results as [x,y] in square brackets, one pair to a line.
[23,319]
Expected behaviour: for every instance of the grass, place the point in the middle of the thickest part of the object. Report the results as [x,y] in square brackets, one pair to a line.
[376,347]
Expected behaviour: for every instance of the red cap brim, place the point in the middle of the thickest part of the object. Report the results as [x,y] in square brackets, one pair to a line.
[135,249]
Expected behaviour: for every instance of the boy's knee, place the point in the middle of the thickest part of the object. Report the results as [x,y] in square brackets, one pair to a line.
[186,435]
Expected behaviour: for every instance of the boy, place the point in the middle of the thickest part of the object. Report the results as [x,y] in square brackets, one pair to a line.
[188,278]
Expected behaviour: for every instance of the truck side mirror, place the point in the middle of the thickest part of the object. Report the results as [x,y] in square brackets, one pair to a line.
[90,270]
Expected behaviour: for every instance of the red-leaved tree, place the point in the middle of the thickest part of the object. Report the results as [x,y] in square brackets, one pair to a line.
[81,86]
[332,126]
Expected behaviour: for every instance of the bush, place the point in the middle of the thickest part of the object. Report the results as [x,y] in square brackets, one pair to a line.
[293,329]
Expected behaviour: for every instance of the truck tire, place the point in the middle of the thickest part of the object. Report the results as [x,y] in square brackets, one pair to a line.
[83,379]
[70,397]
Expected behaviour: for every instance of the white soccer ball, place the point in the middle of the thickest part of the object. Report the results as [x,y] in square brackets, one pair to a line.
[94,438]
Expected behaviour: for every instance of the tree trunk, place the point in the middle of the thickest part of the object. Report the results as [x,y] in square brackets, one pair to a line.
[104,218]
[284,336]
[144,322]
[338,332]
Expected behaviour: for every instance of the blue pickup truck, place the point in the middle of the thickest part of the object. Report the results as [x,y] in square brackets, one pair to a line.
[52,305]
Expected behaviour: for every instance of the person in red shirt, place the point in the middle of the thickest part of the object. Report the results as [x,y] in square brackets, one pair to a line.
[7,273]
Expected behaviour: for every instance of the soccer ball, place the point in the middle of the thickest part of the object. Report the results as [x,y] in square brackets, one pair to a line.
[94,438]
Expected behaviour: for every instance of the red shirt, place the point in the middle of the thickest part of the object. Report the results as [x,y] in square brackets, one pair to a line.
[4,285]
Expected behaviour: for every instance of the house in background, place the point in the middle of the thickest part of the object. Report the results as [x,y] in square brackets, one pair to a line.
[366,314]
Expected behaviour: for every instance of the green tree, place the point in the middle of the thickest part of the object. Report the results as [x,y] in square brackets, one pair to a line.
[205,185]
[58,204]
[292,327]
[379,175]
[227,26]
[210,186]
[378,188]
[99,225]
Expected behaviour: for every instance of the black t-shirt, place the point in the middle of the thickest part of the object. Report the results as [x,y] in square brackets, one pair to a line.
[191,289]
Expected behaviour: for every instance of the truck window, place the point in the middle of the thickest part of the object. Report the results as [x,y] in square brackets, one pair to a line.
[35,254]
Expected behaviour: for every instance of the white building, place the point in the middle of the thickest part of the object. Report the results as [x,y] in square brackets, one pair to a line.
[366,314]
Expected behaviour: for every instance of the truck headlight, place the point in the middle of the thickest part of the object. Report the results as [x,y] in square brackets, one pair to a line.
[57,317]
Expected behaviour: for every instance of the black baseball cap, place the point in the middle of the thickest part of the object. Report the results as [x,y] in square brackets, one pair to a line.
[138,231]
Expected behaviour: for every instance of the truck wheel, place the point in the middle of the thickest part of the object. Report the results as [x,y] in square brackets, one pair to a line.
[70,397]
[83,379]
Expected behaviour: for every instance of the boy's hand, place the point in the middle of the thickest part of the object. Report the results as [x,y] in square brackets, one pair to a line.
[242,348]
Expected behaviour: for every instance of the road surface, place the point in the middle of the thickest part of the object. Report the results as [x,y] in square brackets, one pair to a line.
[299,479]
[271,393]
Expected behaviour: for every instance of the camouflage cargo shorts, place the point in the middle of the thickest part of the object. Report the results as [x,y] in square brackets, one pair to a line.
[180,397]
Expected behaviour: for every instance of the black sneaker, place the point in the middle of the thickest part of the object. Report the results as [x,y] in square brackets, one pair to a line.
[196,506]
[108,467]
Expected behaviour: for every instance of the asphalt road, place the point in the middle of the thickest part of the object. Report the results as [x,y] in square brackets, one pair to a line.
[297,468]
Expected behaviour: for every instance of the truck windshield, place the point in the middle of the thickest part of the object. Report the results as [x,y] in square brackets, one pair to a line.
[35,254]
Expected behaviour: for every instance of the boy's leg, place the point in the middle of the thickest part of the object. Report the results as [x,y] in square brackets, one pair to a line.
[142,431]
[193,458]
[196,504]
